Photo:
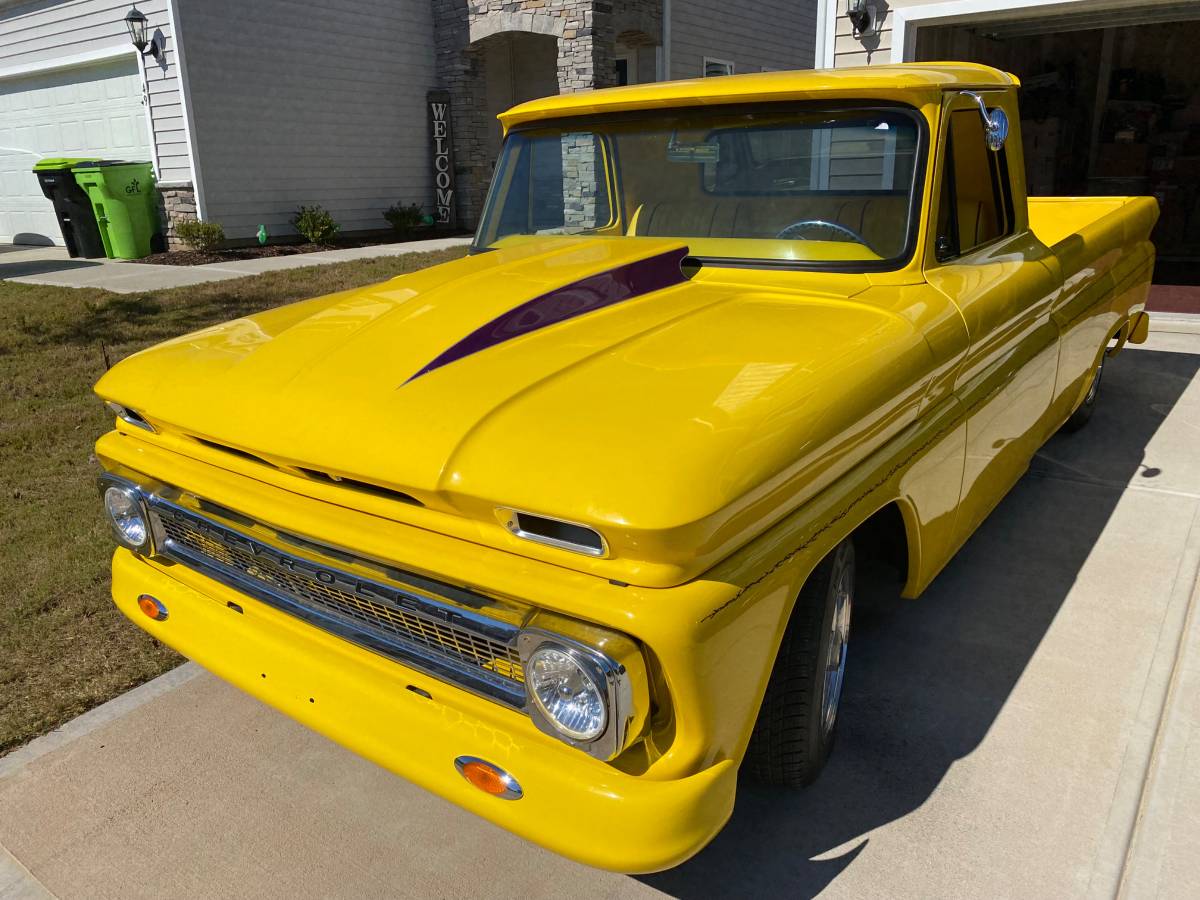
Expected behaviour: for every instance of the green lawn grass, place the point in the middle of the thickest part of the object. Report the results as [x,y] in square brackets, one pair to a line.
[63,646]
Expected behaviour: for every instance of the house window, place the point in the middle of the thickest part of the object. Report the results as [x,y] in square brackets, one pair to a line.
[714,68]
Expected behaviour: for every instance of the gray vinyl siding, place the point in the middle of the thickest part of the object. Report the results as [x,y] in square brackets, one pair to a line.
[47,31]
[753,34]
[301,103]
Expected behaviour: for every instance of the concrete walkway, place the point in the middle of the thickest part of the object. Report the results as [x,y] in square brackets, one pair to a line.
[1028,728]
[51,265]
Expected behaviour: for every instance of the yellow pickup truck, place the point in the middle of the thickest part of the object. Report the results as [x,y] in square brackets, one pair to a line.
[566,531]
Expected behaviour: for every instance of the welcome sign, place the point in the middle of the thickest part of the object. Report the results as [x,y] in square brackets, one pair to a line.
[442,138]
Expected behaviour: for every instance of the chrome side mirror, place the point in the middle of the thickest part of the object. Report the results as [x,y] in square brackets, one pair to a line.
[995,122]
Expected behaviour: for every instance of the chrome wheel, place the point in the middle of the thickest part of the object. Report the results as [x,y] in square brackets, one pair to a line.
[1095,387]
[798,721]
[835,657]
[1080,416]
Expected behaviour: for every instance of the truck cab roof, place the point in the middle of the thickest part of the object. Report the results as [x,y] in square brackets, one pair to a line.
[904,82]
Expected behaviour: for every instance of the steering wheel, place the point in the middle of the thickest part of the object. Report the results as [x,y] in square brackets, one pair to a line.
[796,230]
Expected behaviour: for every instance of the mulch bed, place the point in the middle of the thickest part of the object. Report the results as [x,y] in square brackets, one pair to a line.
[198,258]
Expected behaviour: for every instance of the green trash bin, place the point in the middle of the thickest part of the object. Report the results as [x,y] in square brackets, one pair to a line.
[126,206]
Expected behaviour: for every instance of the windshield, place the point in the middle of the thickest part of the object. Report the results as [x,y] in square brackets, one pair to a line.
[821,188]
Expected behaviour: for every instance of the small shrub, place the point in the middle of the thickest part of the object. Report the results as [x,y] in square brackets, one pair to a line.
[315,224]
[203,236]
[403,218]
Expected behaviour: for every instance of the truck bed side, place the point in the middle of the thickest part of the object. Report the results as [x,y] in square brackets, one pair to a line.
[1098,223]
[1102,251]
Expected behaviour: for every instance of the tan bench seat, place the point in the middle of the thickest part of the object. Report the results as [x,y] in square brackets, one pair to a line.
[879,218]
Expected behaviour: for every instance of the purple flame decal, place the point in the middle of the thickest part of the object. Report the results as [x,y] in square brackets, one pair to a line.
[594,292]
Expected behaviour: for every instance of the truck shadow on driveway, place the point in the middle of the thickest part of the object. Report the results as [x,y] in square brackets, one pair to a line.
[42,267]
[927,679]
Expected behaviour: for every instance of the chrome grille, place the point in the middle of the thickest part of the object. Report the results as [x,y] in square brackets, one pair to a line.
[445,640]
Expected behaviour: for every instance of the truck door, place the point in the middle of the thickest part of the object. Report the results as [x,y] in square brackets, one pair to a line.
[983,257]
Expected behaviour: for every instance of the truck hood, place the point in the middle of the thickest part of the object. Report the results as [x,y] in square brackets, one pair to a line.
[583,379]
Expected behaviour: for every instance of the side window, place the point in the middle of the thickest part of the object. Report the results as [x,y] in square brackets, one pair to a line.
[975,206]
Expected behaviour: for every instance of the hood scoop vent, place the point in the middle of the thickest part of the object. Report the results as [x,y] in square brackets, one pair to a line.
[315,474]
[365,487]
[213,445]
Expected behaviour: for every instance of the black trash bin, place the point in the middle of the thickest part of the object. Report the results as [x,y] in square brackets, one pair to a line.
[72,206]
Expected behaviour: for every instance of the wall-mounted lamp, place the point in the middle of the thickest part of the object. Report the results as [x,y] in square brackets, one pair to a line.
[862,16]
[138,25]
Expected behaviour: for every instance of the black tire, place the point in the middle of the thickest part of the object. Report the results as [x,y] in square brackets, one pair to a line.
[791,740]
[1083,413]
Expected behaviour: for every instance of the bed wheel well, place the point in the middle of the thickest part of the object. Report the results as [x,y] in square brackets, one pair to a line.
[881,544]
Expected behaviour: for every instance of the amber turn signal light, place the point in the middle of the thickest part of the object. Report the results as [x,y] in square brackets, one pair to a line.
[488,778]
[152,607]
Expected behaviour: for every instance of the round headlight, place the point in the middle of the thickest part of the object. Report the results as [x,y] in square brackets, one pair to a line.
[566,693]
[127,517]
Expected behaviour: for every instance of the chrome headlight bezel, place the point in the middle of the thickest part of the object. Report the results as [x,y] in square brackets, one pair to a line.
[137,500]
[613,662]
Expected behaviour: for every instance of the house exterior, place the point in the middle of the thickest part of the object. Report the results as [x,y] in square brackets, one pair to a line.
[1110,93]
[252,109]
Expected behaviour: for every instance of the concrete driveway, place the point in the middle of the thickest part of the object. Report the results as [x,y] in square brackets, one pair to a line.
[52,265]
[1029,728]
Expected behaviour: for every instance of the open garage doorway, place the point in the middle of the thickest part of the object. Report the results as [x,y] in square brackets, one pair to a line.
[1110,106]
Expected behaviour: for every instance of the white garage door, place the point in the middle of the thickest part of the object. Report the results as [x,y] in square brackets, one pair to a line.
[94,110]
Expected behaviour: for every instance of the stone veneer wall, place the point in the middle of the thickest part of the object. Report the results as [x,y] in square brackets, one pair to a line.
[581,161]
[586,59]
[175,204]
[587,48]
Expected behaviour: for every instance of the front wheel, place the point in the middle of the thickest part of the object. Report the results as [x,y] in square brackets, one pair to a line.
[798,721]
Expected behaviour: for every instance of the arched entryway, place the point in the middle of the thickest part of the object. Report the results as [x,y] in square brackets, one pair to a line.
[492,54]
[516,66]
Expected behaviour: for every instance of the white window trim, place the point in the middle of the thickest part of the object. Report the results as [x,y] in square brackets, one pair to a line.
[663,53]
[720,62]
[907,19]
[826,37]
[904,37]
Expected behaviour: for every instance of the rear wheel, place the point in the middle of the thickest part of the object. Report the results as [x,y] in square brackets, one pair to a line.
[798,720]
[1080,417]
